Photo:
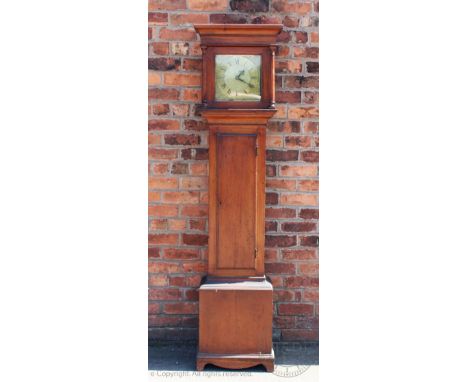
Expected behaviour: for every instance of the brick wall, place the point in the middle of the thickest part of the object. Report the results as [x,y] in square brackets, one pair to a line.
[178,165]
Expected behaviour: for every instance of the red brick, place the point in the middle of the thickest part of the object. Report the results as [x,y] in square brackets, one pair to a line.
[271,226]
[177,281]
[280,213]
[162,153]
[154,252]
[159,168]
[265,19]
[312,67]
[157,18]
[309,213]
[300,335]
[311,295]
[153,307]
[192,64]
[160,109]
[157,280]
[163,124]
[280,241]
[270,170]
[289,66]
[283,51]
[163,267]
[298,227]
[198,225]
[281,184]
[180,308]
[182,139]
[283,295]
[166,94]
[310,156]
[192,124]
[176,224]
[291,7]
[281,155]
[198,169]
[197,154]
[300,254]
[314,36]
[160,48]
[154,196]
[284,126]
[163,63]
[274,141]
[164,294]
[162,211]
[194,266]
[191,95]
[166,5]
[297,141]
[249,5]
[301,37]
[311,97]
[299,199]
[309,269]
[158,224]
[292,309]
[308,185]
[303,112]
[207,5]
[310,241]
[163,238]
[291,21]
[179,168]
[288,97]
[271,254]
[186,34]
[163,321]
[301,82]
[154,78]
[284,36]
[189,197]
[181,79]
[195,239]
[308,52]
[298,170]
[223,18]
[300,281]
[195,211]
[280,268]
[162,183]
[283,322]
[189,18]
[194,183]
[180,254]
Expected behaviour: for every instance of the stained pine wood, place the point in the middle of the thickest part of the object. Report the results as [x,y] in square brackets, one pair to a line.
[235,324]
[235,299]
[236,200]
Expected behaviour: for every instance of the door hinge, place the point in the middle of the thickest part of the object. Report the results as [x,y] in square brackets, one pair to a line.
[256,150]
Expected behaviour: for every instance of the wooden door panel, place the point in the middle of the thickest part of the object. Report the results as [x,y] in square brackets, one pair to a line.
[236,197]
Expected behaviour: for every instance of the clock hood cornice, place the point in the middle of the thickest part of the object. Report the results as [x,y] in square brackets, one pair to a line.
[238,34]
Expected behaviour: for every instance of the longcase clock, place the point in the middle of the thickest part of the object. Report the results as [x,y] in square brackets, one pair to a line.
[238,95]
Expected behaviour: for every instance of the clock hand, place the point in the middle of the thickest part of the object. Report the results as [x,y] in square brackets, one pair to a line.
[241,80]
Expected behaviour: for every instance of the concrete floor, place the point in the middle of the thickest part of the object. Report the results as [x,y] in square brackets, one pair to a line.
[293,360]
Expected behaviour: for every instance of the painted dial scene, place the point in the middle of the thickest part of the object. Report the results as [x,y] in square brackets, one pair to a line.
[237,77]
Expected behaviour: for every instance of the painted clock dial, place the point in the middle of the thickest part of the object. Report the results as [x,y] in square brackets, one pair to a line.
[237,77]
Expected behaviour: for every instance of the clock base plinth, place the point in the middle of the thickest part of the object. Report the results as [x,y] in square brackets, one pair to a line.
[235,323]
[237,361]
